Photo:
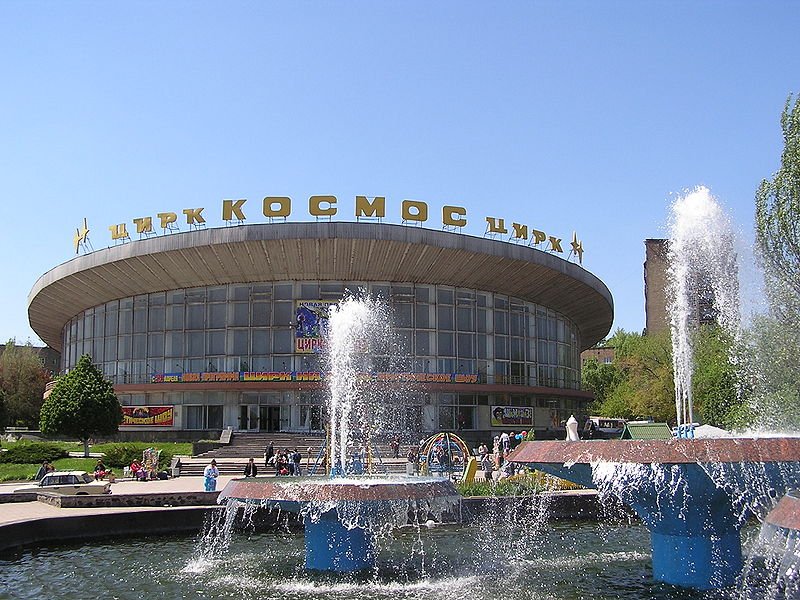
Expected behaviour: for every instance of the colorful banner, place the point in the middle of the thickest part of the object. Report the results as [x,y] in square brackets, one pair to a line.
[311,325]
[234,376]
[512,416]
[148,416]
[427,377]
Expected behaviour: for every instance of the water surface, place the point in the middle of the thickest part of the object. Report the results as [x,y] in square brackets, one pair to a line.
[567,561]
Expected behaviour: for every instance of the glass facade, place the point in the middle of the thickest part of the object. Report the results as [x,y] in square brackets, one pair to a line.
[251,327]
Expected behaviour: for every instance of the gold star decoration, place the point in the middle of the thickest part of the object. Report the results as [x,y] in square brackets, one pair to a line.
[577,247]
[80,235]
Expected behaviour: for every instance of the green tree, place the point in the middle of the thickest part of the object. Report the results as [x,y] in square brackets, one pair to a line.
[617,403]
[774,354]
[778,217]
[776,336]
[600,379]
[641,383]
[2,410]
[22,379]
[646,361]
[718,398]
[81,405]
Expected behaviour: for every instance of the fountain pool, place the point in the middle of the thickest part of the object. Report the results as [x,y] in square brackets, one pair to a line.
[565,561]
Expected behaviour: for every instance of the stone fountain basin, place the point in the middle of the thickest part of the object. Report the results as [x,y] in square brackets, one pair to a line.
[300,490]
[776,457]
[342,515]
[693,495]
[674,451]
[786,515]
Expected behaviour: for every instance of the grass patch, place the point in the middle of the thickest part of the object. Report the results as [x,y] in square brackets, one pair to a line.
[172,448]
[27,471]
[66,446]
[12,472]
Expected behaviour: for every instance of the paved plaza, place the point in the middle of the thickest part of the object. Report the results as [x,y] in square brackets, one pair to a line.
[14,512]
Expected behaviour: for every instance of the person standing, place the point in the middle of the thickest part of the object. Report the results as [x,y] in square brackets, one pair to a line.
[483,450]
[297,459]
[211,473]
[250,469]
[487,466]
[504,442]
[269,452]
[412,458]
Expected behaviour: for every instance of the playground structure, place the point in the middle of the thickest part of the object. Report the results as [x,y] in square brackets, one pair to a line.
[444,454]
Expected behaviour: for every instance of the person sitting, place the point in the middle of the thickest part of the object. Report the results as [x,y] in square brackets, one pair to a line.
[135,467]
[42,471]
[99,470]
[250,470]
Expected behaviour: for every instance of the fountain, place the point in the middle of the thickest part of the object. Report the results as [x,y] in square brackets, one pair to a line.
[343,514]
[694,495]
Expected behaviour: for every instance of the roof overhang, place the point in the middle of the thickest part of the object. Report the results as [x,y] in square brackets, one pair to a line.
[332,251]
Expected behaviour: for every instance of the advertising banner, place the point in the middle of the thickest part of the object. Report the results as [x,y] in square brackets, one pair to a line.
[236,376]
[148,416]
[311,325]
[512,416]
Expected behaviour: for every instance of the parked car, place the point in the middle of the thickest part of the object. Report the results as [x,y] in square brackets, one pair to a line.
[73,483]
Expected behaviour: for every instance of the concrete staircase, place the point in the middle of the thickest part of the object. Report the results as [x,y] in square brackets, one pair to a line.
[232,459]
[247,445]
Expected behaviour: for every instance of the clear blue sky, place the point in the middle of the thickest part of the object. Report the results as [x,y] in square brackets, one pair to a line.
[584,116]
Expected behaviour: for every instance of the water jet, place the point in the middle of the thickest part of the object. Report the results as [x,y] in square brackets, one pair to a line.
[343,513]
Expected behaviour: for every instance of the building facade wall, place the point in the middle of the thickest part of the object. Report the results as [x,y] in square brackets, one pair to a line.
[655,285]
[197,329]
[243,328]
[604,355]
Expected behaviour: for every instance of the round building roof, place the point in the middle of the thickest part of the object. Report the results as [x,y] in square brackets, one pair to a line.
[335,251]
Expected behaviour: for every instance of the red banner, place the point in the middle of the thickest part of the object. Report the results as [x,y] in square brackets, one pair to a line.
[148,416]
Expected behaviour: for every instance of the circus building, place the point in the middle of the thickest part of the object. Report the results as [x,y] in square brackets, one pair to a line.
[215,328]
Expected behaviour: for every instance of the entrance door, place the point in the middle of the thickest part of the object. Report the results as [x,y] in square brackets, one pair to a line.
[270,418]
[248,417]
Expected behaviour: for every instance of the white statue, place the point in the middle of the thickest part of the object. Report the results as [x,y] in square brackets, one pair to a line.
[572,429]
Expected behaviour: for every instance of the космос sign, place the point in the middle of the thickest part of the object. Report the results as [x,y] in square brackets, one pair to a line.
[280,207]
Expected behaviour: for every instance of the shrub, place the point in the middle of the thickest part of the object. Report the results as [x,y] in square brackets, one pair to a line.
[523,484]
[123,454]
[33,453]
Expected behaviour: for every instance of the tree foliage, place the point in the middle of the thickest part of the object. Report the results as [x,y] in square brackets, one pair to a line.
[22,379]
[3,417]
[718,398]
[81,405]
[639,383]
[775,365]
[778,218]
[600,378]
[776,336]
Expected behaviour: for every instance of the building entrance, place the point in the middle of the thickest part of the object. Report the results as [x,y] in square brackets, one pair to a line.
[270,418]
[253,417]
